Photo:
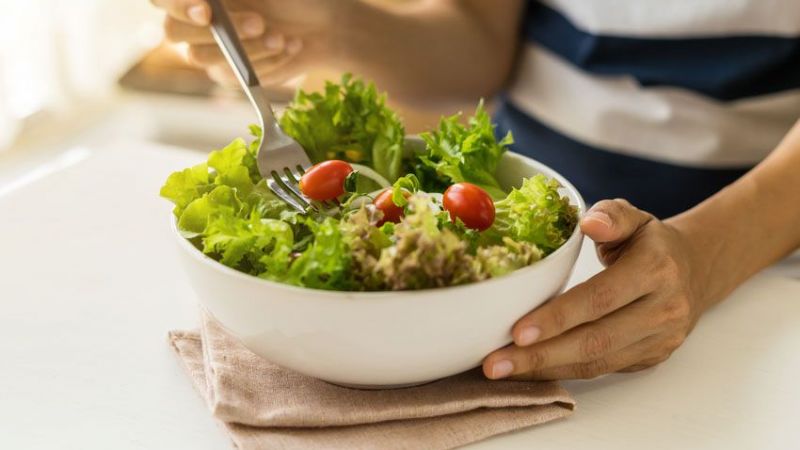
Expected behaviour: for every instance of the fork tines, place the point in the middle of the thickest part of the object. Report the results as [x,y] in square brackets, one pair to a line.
[287,188]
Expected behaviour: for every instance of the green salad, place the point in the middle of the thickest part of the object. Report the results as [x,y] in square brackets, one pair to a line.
[401,217]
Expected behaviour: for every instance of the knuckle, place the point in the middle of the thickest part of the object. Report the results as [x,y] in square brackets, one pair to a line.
[196,56]
[558,318]
[652,362]
[601,300]
[666,265]
[201,56]
[220,73]
[638,367]
[595,344]
[535,360]
[645,364]
[622,203]
[671,344]
[528,376]
[171,29]
[594,369]
[676,311]
[658,360]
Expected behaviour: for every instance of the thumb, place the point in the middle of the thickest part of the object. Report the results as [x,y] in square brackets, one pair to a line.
[613,221]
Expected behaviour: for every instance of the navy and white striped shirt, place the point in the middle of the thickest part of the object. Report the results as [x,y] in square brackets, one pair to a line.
[662,103]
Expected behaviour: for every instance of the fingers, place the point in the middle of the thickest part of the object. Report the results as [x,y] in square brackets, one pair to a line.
[209,54]
[194,12]
[275,92]
[596,297]
[271,71]
[637,354]
[613,221]
[280,71]
[643,365]
[584,344]
[222,73]
[248,25]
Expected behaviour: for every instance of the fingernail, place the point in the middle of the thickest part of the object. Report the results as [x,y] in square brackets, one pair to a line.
[599,216]
[528,335]
[502,369]
[198,14]
[294,46]
[252,27]
[274,41]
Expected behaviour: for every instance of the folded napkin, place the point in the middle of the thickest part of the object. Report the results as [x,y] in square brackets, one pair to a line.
[265,406]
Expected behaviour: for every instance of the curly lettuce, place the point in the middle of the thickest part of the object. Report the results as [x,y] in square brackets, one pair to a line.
[535,213]
[498,260]
[348,121]
[461,152]
[325,263]
[225,208]
[255,245]
[420,254]
[366,243]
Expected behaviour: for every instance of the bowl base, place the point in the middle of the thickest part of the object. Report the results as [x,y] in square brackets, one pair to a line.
[377,387]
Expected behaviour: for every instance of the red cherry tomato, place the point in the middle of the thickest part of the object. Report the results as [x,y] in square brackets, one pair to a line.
[391,212]
[471,204]
[325,181]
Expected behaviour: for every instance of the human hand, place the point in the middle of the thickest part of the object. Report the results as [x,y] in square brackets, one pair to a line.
[630,316]
[282,39]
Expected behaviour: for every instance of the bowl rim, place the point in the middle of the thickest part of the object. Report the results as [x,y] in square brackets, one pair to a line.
[576,235]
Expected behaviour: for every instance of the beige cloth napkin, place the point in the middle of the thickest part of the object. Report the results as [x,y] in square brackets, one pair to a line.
[263,406]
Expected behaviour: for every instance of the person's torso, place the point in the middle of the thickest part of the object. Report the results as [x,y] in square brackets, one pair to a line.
[685,91]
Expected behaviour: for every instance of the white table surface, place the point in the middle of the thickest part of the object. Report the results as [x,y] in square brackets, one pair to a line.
[89,286]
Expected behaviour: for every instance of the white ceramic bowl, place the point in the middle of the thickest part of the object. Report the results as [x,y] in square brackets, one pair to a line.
[381,339]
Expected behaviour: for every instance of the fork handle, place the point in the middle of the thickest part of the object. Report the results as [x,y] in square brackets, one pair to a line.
[225,34]
[228,41]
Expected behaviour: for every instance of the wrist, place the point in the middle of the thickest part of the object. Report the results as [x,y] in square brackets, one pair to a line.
[720,241]
[708,281]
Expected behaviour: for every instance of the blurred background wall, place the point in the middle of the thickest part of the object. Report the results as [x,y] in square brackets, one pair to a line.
[68,66]
[56,55]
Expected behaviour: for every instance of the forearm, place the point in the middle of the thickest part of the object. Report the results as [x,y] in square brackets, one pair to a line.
[747,226]
[430,51]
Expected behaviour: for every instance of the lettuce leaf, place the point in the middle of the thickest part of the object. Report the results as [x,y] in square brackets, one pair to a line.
[183,187]
[232,166]
[464,153]
[226,209]
[498,260]
[535,213]
[325,263]
[408,184]
[222,201]
[254,245]
[421,255]
[226,204]
[348,121]
[366,242]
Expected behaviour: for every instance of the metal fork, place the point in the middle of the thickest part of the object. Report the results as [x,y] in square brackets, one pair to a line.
[281,160]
